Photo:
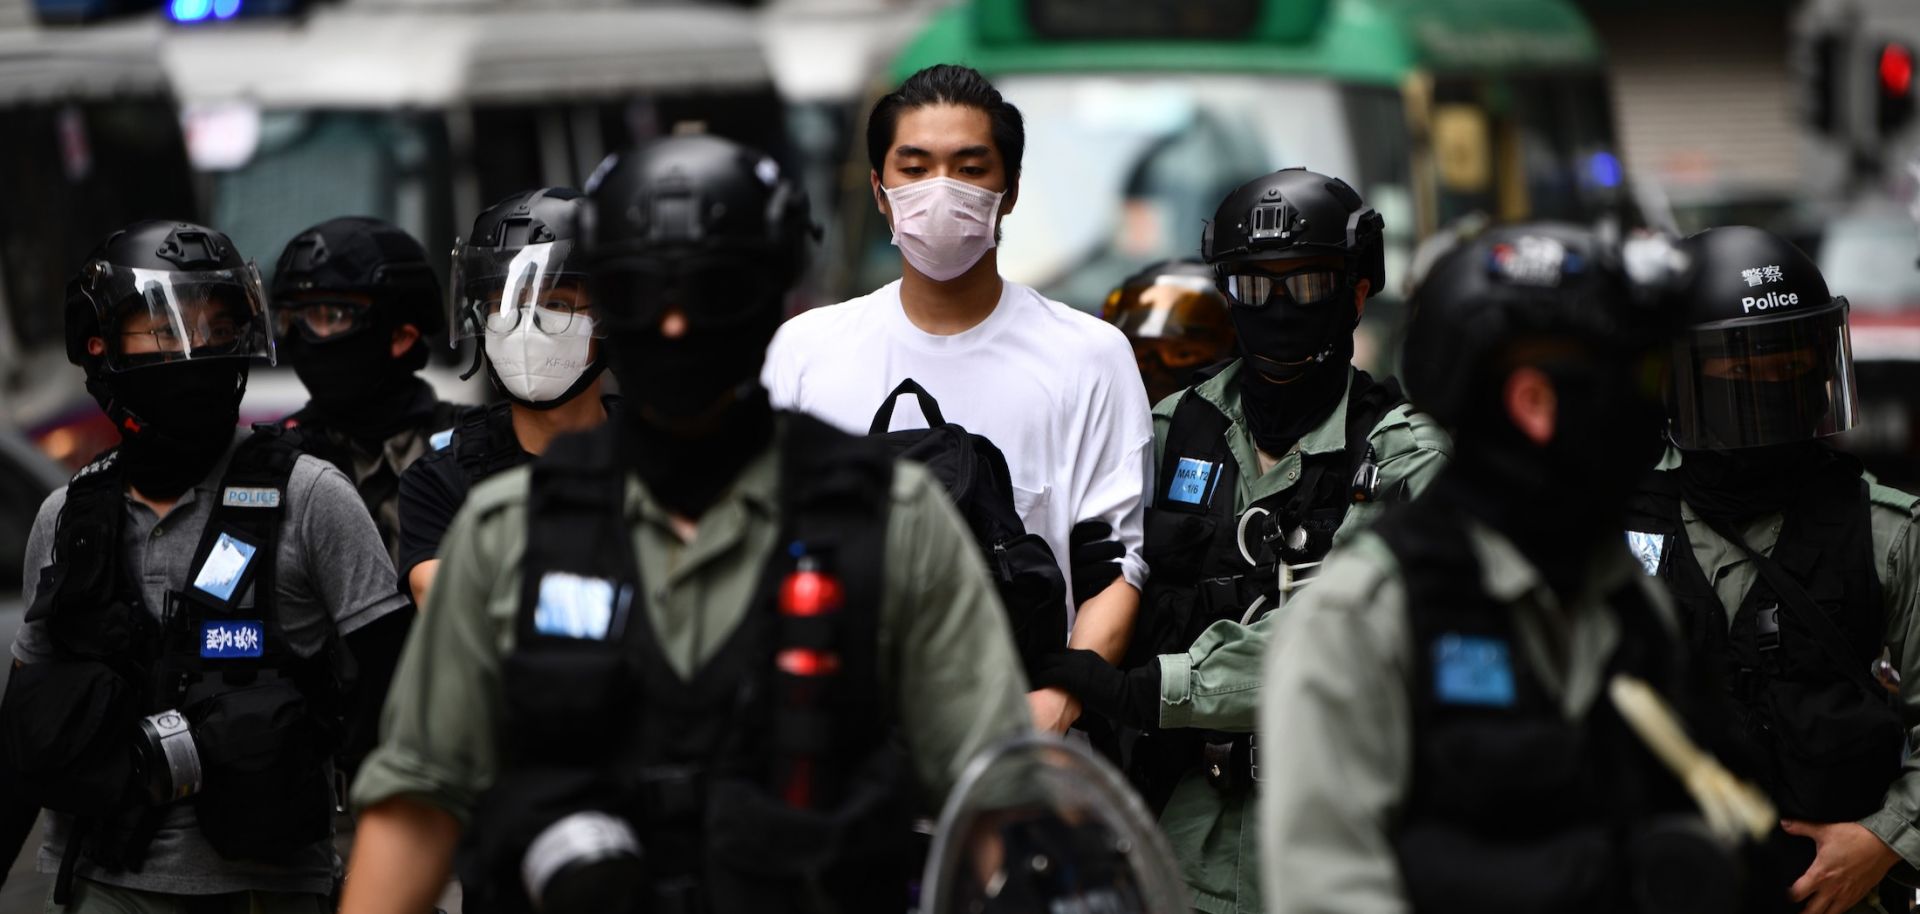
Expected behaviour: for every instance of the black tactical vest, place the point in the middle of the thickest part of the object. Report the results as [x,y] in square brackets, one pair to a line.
[265,720]
[1194,544]
[1512,807]
[484,442]
[598,720]
[1797,659]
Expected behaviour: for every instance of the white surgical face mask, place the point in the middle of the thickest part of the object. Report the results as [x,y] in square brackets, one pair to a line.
[537,366]
[943,226]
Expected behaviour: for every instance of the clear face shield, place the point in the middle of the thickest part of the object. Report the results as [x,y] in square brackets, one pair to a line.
[500,291]
[1040,824]
[1759,384]
[151,317]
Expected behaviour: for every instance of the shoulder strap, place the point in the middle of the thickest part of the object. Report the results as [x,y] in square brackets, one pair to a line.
[483,438]
[1368,401]
[929,407]
[77,588]
[1794,597]
[1197,433]
[240,542]
[578,545]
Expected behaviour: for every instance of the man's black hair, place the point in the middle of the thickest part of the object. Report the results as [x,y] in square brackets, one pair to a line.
[948,84]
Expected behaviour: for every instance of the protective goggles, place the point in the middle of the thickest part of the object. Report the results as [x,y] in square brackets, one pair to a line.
[711,296]
[149,317]
[498,290]
[321,320]
[1257,289]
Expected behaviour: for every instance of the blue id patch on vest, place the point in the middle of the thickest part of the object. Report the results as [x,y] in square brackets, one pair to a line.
[1647,548]
[221,572]
[1471,670]
[1191,479]
[226,639]
[573,606]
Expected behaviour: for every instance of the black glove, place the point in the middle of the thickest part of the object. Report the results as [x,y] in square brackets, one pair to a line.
[1131,698]
[1094,554]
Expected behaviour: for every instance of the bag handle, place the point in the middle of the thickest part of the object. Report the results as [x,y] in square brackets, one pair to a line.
[929,407]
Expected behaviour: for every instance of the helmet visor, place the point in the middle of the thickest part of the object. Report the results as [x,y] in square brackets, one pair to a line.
[148,317]
[498,290]
[1755,385]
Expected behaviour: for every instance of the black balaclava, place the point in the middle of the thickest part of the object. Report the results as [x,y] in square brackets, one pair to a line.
[354,383]
[1557,501]
[1295,366]
[176,420]
[695,411]
[1743,484]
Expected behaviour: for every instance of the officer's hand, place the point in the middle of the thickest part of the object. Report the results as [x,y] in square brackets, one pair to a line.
[1054,710]
[1848,862]
[1131,698]
[1094,554]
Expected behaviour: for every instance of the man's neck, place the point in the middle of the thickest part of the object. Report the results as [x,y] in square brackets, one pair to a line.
[161,506]
[954,306]
[536,428]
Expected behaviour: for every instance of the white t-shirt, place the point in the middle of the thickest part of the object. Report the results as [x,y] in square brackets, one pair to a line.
[1057,390]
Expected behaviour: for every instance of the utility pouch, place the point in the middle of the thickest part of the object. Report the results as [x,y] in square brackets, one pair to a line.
[559,702]
[68,733]
[1569,872]
[267,792]
[1836,746]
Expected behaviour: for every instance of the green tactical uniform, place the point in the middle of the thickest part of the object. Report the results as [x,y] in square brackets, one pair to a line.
[944,648]
[1342,673]
[1217,683]
[1893,517]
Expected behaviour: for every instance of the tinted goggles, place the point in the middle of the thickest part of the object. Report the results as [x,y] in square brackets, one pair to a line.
[321,320]
[709,296]
[1257,289]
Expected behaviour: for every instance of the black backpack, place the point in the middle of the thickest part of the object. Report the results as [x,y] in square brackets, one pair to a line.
[975,475]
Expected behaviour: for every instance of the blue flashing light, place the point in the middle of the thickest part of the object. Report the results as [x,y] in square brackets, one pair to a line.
[225,9]
[1604,168]
[189,10]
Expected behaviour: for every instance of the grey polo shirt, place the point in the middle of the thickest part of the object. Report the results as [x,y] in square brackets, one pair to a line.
[332,570]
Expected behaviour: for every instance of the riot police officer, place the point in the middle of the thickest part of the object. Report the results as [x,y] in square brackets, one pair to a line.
[1263,468]
[194,608]
[355,299]
[661,667]
[1443,690]
[519,289]
[1177,321]
[1792,570]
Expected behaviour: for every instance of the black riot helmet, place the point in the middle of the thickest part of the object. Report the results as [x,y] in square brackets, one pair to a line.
[1766,358]
[1177,321]
[1291,214]
[521,249]
[698,222]
[1546,283]
[361,256]
[158,292]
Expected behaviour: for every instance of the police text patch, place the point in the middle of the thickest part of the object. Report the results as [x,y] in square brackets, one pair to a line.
[221,572]
[244,497]
[1190,480]
[1473,670]
[230,638]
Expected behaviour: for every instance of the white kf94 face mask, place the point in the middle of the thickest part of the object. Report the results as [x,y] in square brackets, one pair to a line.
[537,366]
[943,226]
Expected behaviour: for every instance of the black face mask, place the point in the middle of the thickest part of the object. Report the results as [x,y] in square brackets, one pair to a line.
[1296,360]
[175,420]
[355,383]
[1750,482]
[1558,500]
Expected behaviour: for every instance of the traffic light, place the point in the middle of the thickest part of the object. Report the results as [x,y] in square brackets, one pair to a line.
[1894,107]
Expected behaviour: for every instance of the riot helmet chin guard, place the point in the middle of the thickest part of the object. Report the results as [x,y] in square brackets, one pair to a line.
[1767,358]
[160,292]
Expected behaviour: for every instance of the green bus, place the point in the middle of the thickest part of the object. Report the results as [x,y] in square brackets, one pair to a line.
[1141,115]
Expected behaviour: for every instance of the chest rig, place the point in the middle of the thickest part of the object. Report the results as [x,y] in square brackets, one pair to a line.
[1513,807]
[1796,660]
[766,781]
[239,724]
[484,442]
